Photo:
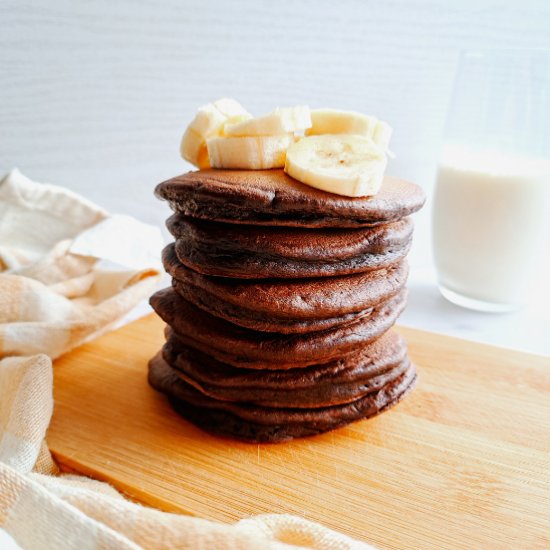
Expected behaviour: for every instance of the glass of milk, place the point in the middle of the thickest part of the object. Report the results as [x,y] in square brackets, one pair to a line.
[493,183]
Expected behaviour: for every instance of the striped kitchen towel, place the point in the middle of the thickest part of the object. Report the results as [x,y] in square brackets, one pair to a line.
[68,271]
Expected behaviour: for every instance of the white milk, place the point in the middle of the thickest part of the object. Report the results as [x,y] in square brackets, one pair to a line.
[488,226]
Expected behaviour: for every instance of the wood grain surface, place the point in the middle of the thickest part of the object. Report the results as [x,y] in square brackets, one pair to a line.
[464,462]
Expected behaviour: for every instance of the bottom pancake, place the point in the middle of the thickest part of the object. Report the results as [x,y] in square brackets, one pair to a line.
[265,424]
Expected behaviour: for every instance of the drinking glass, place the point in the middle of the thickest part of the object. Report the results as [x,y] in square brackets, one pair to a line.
[493,180]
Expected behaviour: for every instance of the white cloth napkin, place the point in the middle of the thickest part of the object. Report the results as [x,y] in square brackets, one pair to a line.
[68,271]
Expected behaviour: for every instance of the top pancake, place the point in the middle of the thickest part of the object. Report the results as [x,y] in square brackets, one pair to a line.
[271,197]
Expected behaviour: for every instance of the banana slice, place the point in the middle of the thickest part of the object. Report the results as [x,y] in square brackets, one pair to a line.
[349,165]
[333,121]
[253,152]
[208,122]
[281,121]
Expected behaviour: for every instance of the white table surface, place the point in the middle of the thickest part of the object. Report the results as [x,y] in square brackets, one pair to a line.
[527,329]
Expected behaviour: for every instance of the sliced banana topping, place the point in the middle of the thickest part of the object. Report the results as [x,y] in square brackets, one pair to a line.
[344,152]
[333,121]
[350,165]
[280,121]
[252,153]
[208,122]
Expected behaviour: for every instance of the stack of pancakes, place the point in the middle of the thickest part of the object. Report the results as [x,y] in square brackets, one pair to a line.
[281,303]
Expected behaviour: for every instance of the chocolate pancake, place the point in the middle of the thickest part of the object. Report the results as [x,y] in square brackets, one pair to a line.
[242,347]
[254,252]
[295,306]
[265,424]
[341,381]
[270,197]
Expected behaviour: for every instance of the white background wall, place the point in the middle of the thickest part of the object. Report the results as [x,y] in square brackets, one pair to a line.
[95,95]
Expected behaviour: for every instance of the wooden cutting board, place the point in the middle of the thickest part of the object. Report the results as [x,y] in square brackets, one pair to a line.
[463,462]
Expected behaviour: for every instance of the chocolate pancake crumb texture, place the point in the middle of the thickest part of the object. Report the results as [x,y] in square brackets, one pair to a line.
[242,347]
[249,252]
[281,305]
[287,306]
[271,197]
[339,381]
